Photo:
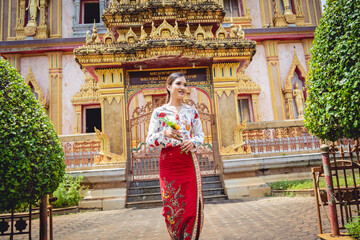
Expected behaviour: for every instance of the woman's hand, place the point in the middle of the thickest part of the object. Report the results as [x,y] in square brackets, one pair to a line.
[187,146]
[172,133]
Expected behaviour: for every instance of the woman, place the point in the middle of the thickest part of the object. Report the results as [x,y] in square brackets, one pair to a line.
[180,178]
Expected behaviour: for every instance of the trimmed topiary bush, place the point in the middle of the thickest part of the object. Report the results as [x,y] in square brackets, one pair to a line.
[31,156]
[333,104]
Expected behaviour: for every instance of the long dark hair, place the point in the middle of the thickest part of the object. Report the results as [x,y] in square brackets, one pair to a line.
[170,80]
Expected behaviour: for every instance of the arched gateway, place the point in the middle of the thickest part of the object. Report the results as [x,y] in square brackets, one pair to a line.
[145,42]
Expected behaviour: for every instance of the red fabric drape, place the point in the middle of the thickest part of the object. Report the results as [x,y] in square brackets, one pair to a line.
[181,190]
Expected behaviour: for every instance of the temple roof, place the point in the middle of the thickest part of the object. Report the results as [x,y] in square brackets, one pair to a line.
[183,32]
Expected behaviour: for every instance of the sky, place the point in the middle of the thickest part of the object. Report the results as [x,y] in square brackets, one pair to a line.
[323,4]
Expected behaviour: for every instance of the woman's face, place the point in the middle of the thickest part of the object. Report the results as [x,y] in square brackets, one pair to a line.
[178,88]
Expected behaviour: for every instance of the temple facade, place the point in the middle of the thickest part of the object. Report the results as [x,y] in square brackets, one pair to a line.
[99,68]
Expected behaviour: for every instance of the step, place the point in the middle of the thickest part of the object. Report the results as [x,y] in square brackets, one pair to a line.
[145,183]
[156,182]
[147,204]
[157,203]
[213,192]
[153,189]
[215,198]
[133,197]
[210,178]
[214,184]
[144,197]
[142,190]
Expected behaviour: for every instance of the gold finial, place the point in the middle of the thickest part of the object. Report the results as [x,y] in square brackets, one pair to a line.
[88,38]
[153,33]
[143,35]
[187,32]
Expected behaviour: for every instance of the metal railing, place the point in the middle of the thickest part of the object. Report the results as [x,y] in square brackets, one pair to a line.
[279,137]
[341,174]
[80,150]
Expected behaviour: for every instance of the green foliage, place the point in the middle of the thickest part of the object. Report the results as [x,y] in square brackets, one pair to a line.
[308,183]
[31,156]
[69,192]
[354,227]
[333,103]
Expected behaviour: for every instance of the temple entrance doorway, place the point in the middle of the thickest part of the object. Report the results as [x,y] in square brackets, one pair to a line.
[145,159]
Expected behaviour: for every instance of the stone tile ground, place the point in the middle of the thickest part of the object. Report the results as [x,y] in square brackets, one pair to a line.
[256,219]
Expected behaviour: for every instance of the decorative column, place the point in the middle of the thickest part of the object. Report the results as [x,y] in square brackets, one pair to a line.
[55,90]
[272,59]
[42,29]
[113,105]
[225,99]
[20,20]
[14,60]
[307,44]
[255,102]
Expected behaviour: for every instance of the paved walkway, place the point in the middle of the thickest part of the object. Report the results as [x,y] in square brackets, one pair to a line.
[263,218]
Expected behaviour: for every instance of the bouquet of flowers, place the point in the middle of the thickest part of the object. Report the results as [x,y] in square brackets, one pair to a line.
[171,124]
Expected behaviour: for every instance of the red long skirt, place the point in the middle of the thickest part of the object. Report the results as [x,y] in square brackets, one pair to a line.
[181,189]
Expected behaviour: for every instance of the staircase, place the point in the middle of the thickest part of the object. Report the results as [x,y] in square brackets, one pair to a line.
[146,194]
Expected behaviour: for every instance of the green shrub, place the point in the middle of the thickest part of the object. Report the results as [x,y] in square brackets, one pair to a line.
[31,156]
[333,102]
[69,192]
[354,227]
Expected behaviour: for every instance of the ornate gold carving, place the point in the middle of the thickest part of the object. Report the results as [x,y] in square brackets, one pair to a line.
[177,32]
[121,38]
[110,77]
[20,20]
[143,35]
[200,33]
[130,36]
[221,32]
[32,29]
[233,30]
[88,38]
[299,100]
[30,80]
[109,98]
[245,20]
[209,34]
[94,35]
[288,89]
[153,33]
[227,92]
[108,37]
[187,32]
[239,146]
[288,17]
[105,156]
[165,30]
[42,29]
[88,93]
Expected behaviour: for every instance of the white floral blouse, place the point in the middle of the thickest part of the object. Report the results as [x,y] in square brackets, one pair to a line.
[188,120]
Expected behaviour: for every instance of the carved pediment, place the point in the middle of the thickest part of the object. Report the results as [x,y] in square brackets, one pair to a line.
[30,80]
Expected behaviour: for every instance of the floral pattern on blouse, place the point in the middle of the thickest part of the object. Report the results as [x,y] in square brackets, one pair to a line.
[188,120]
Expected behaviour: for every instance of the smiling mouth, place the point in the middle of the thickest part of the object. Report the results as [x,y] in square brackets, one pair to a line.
[182,92]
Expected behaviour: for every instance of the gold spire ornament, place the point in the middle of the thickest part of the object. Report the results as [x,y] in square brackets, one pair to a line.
[187,32]
[143,35]
[94,35]
[153,33]
[88,38]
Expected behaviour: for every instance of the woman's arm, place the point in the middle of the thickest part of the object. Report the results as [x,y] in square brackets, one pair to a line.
[199,136]
[155,136]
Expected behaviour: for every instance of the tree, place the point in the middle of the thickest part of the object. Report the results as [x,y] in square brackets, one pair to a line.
[333,103]
[31,156]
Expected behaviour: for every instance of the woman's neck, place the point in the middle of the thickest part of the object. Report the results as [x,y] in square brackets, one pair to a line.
[175,102]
